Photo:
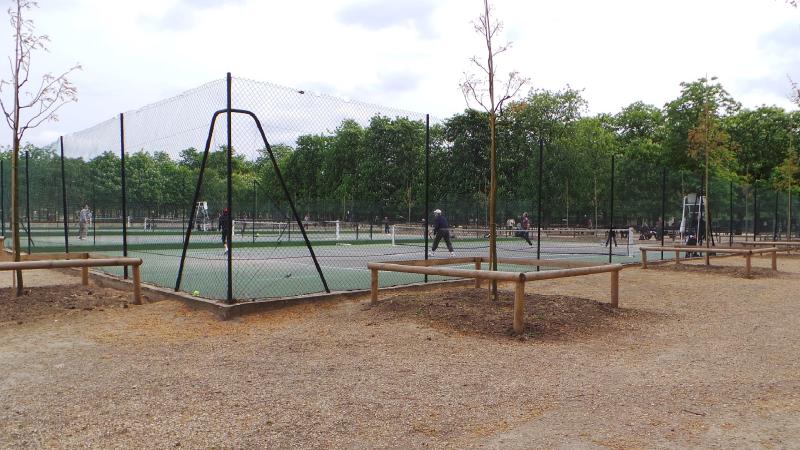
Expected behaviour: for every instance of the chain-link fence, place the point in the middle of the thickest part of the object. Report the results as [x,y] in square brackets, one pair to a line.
[318,186]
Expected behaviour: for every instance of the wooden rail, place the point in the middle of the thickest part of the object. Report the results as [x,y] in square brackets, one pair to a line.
[573,269]
[84,264]
[747,253]
[786,246]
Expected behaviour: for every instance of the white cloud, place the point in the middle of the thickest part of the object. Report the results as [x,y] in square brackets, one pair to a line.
[411,55]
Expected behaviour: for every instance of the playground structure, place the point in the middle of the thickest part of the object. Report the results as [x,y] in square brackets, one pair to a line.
[568,269]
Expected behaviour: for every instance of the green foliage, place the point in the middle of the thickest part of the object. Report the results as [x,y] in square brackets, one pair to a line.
[683,114]
[377,169]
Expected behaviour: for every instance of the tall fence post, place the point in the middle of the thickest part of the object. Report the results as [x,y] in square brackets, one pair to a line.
[253,220]
[611,237]
[539,204]
[64,195]
[730,219]
[755,211]
[663,204]
[427,181]
[775,219]
[229,238]
[2,201]
[92,179]
[124,193]
[28,197]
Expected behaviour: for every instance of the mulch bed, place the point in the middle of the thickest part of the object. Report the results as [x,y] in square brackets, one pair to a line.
[470,311]
[41,302]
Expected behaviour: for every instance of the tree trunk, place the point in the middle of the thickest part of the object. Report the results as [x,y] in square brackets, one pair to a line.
[15,209]
[492,202]
[707,193]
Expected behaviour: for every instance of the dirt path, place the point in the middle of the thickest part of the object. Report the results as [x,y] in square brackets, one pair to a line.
[693,359]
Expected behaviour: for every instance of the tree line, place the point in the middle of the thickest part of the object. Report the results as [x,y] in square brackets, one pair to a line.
[378,169]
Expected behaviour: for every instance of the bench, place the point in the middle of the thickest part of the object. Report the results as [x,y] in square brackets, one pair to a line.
[747,253]
[568,269]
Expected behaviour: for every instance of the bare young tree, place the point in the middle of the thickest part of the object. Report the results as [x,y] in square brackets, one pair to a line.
[29,105]
[491,96]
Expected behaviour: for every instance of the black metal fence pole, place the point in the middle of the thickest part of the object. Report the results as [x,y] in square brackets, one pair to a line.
[755,211]
[2,201]
[611,237]
[775,219]
[64,195]
[195,199]
[124,192]
[663,204]
[230,193]
[730,220]
[93,180]
[539,204]
[427,181]
[28,197]
[253,220]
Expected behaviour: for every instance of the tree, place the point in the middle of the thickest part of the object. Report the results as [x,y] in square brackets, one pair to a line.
[477,89]
[683,114]
[707,140]
[785,179]
[28,108]
[545,117]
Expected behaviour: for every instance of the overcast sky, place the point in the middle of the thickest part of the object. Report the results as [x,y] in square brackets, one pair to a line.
[410,54]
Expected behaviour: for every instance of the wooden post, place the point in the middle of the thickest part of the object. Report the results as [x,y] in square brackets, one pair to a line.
[477,279]
[747,263]
[85,272]
[519,307]
[137,285]
[707,257]
[775,260]
[644,259]
[374,287]
[615,289]
[677,256]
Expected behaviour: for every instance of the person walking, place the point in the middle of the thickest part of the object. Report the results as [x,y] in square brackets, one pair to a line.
[525,229]
[385,225]
[441,230]
[611,237]
[222,226]
[84,220]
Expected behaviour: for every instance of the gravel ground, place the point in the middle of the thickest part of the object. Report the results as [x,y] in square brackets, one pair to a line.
[694,358]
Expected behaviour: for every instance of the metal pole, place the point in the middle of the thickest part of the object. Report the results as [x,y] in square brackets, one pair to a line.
[755,210]
[663,205]
[253,220]
[730,225]
[94,205]
[611,214]
[775,219]
[195,199]
[427,181]
[64,195]
[28,197]
[124,192]
[539,204]
[230,195]
[2,202]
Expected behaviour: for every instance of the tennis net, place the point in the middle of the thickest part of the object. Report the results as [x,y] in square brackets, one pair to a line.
[554,241]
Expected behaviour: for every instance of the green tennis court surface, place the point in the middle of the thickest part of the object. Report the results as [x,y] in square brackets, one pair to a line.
[274,264]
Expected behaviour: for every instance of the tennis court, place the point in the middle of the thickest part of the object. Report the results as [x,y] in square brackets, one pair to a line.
[271,259]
